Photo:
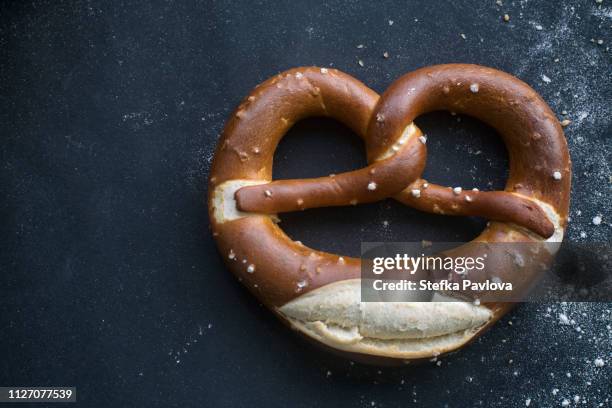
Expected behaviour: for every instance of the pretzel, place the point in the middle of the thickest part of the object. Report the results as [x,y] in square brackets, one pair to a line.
[318,293]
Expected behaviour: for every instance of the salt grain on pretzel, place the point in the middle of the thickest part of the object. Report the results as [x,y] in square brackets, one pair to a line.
[325,305]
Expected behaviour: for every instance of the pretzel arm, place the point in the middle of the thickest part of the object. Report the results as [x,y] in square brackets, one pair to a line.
[375,182]
[494,205]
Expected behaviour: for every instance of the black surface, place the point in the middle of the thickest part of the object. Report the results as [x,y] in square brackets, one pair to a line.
[109,113]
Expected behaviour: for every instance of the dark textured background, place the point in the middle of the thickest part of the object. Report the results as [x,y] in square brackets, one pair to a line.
[109,113]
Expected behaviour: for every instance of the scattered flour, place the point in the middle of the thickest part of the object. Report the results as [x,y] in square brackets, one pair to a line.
[582,88]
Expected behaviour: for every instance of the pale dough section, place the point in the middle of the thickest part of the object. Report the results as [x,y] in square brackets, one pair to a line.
[409,132]
[224,202]
[553,243]
[335,315]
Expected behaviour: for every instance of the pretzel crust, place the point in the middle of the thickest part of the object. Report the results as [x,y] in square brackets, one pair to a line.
[243,199]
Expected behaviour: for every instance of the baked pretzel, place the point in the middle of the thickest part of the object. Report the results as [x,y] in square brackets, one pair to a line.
[318,293]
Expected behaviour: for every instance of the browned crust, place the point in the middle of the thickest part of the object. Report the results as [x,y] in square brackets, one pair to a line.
[494,205]
[246,148]
[280,263]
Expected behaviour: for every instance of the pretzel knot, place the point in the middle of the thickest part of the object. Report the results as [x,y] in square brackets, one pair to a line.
[318,293]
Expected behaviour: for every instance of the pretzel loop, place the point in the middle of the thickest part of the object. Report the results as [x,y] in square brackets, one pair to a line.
[539,162]
[242,196]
